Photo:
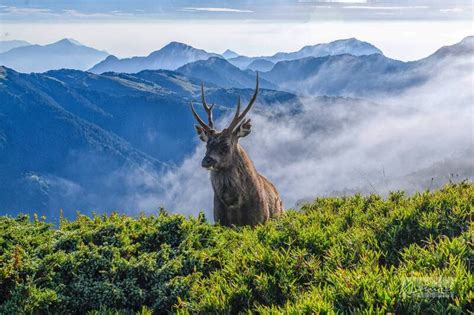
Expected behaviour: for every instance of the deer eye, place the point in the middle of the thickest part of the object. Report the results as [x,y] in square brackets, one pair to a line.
[224,149]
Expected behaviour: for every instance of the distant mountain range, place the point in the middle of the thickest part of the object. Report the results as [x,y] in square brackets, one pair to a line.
[333,75]
[170,57]
[66,53]
[70,54]
[6,45]
[220,72]
[175,55]
[350,46]
[361,76]
[347,67]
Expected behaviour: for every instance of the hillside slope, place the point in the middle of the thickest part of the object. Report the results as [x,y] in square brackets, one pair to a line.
[404,255]
[76,140]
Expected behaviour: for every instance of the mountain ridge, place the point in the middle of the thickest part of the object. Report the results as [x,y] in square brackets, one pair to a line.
[169,57]
[65,53]
[6,45]
[362,76]
[221,72]
[351,46]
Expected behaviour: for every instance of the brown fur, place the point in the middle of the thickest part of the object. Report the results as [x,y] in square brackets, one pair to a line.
[241,195]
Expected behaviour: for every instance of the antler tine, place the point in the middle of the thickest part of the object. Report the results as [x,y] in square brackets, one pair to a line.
[199,120]
[252,100]
[236,118]
[209,116]
[207,108]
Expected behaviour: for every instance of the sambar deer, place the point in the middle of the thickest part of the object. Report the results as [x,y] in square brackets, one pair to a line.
[241,195]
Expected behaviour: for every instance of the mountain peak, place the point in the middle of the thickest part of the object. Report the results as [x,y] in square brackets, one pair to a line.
[65,53]
[464,47]
[110,58]
[169,57]
[171,48]
[221,72]
[6,45]
[67,42]
[176,45]
[351,46]
[229,54]
[350,39]
[217,59]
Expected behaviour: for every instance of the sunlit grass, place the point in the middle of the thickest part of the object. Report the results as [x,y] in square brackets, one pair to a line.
[354,254]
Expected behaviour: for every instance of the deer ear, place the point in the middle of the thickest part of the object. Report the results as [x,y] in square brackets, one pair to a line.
[201,133]
[243,129]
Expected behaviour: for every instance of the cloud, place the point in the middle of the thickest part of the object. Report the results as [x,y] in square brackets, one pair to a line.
[332,1]
[302,10]
[451,10]
[360,7]
[78,14]
[226,10]
[12,11]
[25,11]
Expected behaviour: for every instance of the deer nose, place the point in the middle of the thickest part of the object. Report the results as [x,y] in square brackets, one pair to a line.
[208,162]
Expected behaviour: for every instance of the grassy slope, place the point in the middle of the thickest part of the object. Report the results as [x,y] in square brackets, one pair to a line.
[402,254]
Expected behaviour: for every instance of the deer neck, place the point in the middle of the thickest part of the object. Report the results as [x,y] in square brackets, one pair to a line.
[237,179]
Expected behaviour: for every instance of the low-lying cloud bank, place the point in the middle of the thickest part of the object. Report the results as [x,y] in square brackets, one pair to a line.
[417,140]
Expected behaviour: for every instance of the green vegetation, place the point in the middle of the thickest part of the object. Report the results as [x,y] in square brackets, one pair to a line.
[354,254]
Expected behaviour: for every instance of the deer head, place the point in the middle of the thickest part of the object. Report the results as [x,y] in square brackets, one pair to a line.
[222,145]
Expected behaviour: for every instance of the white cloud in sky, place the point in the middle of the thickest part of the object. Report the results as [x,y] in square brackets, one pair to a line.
[334,1]
[360,7]
[29,12]
[79,14]
[25,11]
[451,10]
[191,9]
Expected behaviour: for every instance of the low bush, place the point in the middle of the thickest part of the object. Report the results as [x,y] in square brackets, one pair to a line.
[402,254]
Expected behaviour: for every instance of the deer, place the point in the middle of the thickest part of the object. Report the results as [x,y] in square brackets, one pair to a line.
[242,196]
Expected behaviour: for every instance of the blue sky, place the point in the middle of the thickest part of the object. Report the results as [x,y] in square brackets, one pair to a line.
[83,10]
[403,29]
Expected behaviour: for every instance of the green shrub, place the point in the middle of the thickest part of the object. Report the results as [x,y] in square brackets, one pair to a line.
[336,255]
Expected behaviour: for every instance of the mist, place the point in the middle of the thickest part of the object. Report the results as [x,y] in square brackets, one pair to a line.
[414,141]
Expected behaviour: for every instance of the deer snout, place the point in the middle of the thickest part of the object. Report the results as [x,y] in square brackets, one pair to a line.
[208,162]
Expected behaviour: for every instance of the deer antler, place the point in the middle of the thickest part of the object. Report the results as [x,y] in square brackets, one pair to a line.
[238,117]
[235,120]
[208,110]
[199,120]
